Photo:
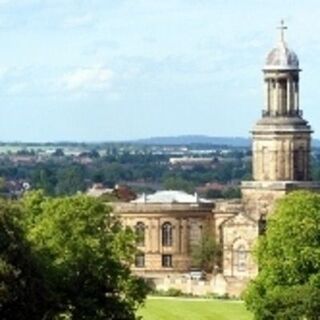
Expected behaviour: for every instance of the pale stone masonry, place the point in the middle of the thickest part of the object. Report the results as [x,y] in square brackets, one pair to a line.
[281,164]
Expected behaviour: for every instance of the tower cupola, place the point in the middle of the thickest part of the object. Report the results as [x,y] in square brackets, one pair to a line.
[281,77]
[281,57]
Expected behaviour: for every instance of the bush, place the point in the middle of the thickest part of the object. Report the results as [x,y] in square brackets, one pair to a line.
[173,292]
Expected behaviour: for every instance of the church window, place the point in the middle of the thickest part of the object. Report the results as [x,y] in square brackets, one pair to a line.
[167,234]
[140,260]
[167,260]
[140,233]
[241,258]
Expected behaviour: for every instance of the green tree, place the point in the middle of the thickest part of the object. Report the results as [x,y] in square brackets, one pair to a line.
[213,194]
[45,179]
[288,284]
[86,256]
[24,290]
[70,180]
[65,258]
[178,183]
[232,192]
[206,253]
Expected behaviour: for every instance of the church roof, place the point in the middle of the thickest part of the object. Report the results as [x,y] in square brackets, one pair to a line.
[281,57]
[170,196]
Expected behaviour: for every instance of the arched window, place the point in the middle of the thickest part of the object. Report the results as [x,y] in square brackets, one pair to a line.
[140,233]
[167,234]
[241,258]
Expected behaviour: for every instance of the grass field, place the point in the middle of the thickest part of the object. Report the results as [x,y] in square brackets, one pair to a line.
[193,309]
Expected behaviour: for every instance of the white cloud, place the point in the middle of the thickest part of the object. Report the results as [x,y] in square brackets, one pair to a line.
[80,21]
[17,88]
[87,79]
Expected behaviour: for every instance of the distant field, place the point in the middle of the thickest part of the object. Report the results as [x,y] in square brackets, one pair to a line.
[193,309]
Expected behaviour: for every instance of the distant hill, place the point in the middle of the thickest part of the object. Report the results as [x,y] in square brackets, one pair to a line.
[196,139]
[201,139]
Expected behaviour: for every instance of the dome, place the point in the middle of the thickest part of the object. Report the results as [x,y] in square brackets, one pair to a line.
[170,196]
[281,57]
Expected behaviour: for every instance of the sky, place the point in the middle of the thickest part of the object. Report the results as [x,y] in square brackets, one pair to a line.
[101,70]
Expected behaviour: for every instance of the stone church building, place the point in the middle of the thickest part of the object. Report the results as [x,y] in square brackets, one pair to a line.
[170,222]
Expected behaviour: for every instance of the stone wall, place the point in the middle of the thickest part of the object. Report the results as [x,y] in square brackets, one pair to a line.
[216,285]
[260,197]
[281,156]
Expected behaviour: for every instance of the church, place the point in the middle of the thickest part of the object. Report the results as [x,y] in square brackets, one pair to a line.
[169,223]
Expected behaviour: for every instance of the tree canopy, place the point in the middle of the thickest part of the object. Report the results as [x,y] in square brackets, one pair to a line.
[206,253]
[24,293]
[288,284]
[80,258]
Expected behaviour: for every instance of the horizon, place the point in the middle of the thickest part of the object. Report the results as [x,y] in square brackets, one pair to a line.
[127,140]
[131,70]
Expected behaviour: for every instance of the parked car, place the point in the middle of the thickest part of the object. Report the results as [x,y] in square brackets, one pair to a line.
[197,274]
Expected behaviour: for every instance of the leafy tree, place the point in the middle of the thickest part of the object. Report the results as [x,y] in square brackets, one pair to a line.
[288,284]
[3,187]
[177,183]
[58,153]
[213,194]
[24,291]
[233,192]
[206,253]
[45,179]
[70,180]
[65,258]
[86,256]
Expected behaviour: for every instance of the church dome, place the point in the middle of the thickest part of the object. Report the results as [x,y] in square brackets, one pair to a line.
[281,57]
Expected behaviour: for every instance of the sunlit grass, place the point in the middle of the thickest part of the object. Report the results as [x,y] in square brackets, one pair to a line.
[193,309]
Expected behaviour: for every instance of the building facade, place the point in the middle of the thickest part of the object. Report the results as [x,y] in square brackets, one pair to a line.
[170,225]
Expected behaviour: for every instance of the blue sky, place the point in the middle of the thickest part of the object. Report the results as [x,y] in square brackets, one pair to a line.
[125,69]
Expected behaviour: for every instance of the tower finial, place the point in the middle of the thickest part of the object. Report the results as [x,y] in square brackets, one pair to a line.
[282,28]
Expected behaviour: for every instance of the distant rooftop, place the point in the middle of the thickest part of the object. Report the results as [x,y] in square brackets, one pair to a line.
[170,196]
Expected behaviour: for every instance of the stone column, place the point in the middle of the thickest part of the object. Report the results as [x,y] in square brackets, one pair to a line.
[277,98]
[156,236]
[288,96]
[176,238]
[296,96]
[148,235]
[305,163]
[287,160]
[266,96]
[275,172]
[291,163]
[274,97]
[184,237]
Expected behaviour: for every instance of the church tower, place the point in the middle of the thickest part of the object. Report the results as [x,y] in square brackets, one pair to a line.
[281,138]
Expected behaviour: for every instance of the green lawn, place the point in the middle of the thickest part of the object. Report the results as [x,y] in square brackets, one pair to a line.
[193,309]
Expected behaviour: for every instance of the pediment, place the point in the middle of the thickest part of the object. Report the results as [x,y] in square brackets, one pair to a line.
[239,219]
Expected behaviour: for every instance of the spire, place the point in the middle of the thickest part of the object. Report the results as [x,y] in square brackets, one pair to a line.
[282,28]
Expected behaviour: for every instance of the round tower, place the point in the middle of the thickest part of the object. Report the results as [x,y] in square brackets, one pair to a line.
[281,138]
